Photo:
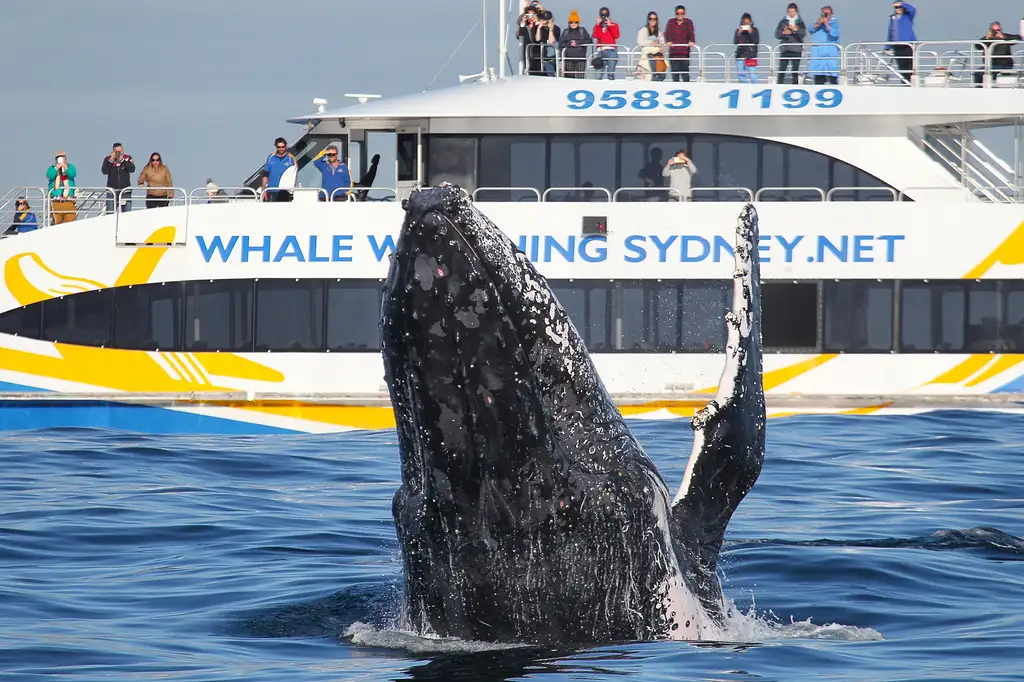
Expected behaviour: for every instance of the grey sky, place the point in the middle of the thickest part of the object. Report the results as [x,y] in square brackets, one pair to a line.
[209,83]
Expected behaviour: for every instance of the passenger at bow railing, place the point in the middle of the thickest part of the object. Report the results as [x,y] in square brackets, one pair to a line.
[651,42]
[572,44]
[539,35]
[823,65]
[1001,59]
[791,33]
[746,39]
[680,36]
[901,30]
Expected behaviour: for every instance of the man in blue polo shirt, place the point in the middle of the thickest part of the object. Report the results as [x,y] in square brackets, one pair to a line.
[336,178]
[277,163]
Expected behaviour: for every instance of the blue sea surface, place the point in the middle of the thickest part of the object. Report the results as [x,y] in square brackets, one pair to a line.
[871,548]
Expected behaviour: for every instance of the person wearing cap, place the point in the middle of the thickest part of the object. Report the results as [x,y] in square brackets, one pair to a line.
[572,44]
[60,177]
[24,219]
[606,35]
[901,30]
[336,182]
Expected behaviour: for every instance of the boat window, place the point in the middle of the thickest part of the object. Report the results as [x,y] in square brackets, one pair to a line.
[622,160]
[737,163]
[663,315]
[353,315]
[289,315]
[219,315]
[407,156]
[574,300]
[704,305]
[582,162]
[148,317]
[81,319]
[597,332]
[858,316]
[789,317]
[24,321]
[628,329]
[452,159]
[512,161]
[932,317]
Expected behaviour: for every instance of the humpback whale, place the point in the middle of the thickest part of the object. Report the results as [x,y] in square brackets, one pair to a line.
[527,511]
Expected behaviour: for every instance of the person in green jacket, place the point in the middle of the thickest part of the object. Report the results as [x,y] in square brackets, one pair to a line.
[61,183]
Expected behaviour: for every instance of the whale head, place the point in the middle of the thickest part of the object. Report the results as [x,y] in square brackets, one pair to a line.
[527,510]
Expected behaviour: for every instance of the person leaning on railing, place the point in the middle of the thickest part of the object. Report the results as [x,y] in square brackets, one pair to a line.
[680,36]
[156,174]
[901,30]
[61,185]
[572,44]
[746,39]
[791,33]
[528,24]
[651,42]
[1001,57]
[606,35]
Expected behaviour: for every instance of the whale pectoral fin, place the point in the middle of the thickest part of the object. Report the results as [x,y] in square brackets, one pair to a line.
[728,444]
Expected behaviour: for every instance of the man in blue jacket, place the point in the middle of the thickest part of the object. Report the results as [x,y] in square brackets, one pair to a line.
[274,169]
[334,173]
[901,30]
[24,219]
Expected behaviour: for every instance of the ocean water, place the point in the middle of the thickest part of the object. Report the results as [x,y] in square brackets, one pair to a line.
[871,548]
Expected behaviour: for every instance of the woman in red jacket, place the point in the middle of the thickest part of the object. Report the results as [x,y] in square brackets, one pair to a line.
[606,33]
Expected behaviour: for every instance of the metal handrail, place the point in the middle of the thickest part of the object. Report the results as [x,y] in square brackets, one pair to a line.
[129,193]
[831,192]
[818,190]
[958,191]
[199,195]
[549,190]
[667,191]
[294,190]
[750,193]
[532,190]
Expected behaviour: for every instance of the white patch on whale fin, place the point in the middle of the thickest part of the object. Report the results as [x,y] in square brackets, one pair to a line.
[740,323]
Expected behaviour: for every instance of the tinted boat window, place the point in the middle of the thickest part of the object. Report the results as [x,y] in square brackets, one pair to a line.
[574,300]
[353,315]
[148,317]
[858,316]
[512,161]
[628,331]
[219,315]
[289,315]
[452,159]
[737,164]
[789,317]
[82,319]
[932,317]
[598,331]
[24,321]
[663,301]
[704,307]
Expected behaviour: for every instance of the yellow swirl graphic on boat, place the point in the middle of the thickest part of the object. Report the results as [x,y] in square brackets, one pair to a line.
[1010,252]
[30,280]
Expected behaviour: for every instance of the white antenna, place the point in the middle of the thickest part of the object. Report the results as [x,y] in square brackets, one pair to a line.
[320,104]
[363,99]
[484,25]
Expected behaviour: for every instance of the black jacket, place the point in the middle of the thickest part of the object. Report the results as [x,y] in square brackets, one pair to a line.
[1001,57]
[118,174]
[791,41]
[582,39]
[746,43]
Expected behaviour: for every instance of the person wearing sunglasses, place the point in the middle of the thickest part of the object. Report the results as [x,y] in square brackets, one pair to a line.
[24,219]
[274,169]
[679,37]
[650,41]
[573,46]
[334,174]
[157,177]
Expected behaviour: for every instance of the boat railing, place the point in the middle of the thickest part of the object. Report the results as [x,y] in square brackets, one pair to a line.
[365,194]
[36,197]
[531,194]
[640,194]
[224,195]
[947,63]
[789,194]
[839,193]
[299,194]
[721,194]
[586,193]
